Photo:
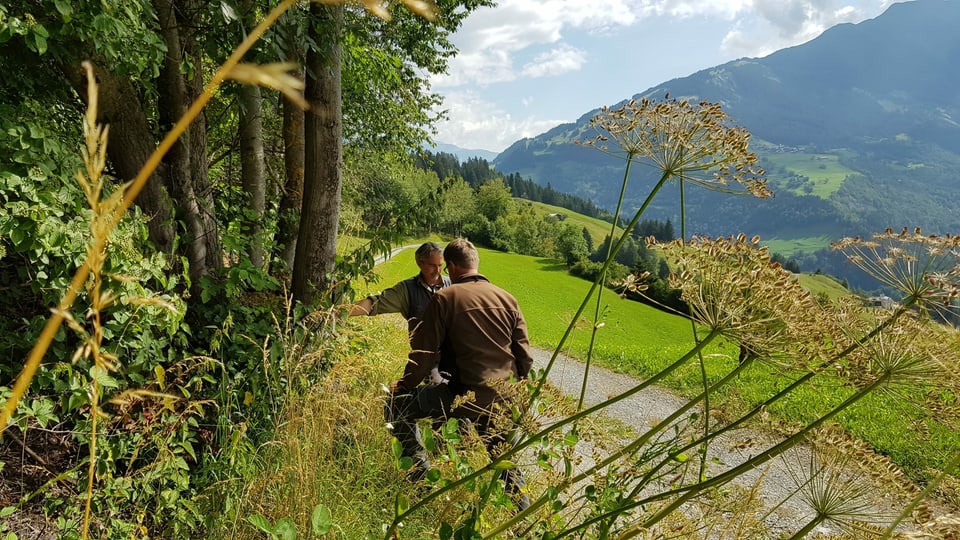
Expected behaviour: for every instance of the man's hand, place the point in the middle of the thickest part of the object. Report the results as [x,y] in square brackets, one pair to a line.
[396,388]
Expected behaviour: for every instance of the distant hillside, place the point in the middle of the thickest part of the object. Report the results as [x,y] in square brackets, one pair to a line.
[463,154]
[858,129]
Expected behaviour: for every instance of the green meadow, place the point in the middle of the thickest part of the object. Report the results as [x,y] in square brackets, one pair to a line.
[633,338]
[636,339]
[597,228]
[792,246]
[824,170]
[820,284]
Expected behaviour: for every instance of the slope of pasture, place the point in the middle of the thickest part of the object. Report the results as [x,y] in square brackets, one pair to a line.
[824,171]
[823,284]
[597,228]
[790,247]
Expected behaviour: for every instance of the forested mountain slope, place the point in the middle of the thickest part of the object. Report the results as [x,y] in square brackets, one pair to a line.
[857,129]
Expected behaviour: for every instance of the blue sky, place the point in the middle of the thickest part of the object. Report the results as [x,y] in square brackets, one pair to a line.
[526,66]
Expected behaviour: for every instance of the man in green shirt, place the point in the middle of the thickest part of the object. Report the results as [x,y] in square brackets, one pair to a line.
[410,296]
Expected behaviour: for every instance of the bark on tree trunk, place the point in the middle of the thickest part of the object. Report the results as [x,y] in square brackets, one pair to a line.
[317,240]
[186,173]
[253,170]
[130,145]
[292,200]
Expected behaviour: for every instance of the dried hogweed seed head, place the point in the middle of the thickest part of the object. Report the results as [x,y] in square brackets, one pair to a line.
[694,142]
[924,268]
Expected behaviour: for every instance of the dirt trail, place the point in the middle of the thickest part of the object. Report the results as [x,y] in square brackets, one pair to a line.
[647,408]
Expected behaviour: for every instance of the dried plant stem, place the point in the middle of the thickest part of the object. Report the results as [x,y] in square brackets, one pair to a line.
[606,265]
[603,274]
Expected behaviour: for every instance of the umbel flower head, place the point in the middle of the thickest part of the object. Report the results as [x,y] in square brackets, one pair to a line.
[733,287]
[692,142]
[925,268]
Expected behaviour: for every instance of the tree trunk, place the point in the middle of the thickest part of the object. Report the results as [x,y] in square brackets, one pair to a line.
[323,157]
[185,172]
[130,144]
[292,200]
[253,170]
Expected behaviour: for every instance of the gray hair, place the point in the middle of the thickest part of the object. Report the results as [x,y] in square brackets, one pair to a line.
[426,250]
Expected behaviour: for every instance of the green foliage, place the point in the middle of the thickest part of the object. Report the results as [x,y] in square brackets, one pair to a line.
[493,199]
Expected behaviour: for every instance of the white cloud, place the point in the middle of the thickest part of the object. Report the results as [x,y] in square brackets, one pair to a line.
[724,9]
[512,48]
[561,59]
[771,25]
[490,36]
[479,124]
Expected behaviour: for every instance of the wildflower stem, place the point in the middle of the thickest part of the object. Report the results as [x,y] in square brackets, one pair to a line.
[601,278]
[685,493]
[636,444]
[705,447]
[932,485]
[812,524]
[669,420]
[606,265]
[689,492]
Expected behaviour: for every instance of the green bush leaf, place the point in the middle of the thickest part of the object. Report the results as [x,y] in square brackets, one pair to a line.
[429,441]
[261,523]
[321,520]
[402,504]
[396,448]
[103,378]
[286,529]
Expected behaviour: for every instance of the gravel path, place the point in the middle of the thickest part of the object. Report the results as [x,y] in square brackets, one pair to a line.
[647,408]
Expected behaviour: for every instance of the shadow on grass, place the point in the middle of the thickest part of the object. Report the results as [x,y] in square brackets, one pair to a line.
[552,265]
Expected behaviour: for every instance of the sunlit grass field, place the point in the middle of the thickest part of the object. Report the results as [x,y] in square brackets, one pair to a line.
[639,340]
[792,246]
[597,228]
[824,170]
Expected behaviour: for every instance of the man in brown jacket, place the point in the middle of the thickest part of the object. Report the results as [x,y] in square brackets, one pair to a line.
[479,331]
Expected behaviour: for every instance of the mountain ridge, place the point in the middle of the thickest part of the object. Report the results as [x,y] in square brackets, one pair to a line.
[858,129]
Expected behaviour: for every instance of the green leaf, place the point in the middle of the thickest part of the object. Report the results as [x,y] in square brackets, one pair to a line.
[321,520]
[286,529]
[396,448]
[433,475]
[402,504]
[261,523]
[64,8]
[446,531]
[103,378]
[504,465]
[429,441]
[17,236]
[40,42]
